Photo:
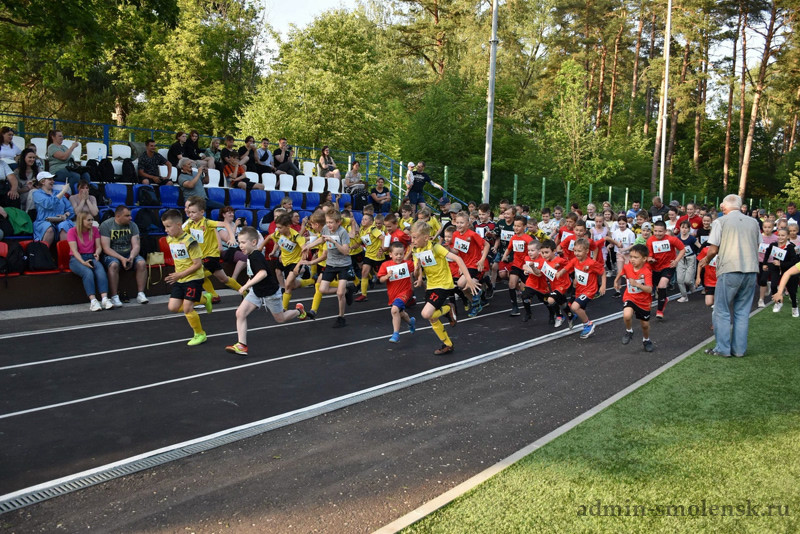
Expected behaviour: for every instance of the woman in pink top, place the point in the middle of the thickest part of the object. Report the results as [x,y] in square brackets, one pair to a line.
[85,249]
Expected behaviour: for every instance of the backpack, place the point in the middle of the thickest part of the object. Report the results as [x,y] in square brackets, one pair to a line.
[38,258]
[147,196]
[128,171]
[14,261]
[148,222]
[93,168]
[105,171]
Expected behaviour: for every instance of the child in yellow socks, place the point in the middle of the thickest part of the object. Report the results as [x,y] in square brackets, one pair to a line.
[289,244]
[372,240]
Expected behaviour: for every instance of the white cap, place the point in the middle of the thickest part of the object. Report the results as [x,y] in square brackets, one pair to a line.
[411,165]
[44,175]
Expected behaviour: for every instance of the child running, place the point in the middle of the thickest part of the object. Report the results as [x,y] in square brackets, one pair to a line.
[666,252]
[638,294]
[204,232]
[709,275]
[586,271]
[431,258]
[290,244]
[473,249]
[262,289]
[372,240]
[535,283]
[559,284]
[518,245]
[779,258]
[187,280]
[396,274]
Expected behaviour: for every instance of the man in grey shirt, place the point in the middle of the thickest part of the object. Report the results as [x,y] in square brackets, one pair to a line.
[193,185]
[733,243]
[119,238]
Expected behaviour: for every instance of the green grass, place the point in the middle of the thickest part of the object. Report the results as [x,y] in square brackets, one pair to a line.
[726,431]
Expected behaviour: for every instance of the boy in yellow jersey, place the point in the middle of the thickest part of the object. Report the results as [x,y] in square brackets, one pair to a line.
[204,232]
[372,240]
[289,244]
[316,222]
[356,250]
[532,229]
[431,258]
[187,280]
[433,223]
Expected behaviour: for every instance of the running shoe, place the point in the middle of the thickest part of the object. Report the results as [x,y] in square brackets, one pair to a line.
[683,299]
[489,291]
[395,338]
[558,321]
[311,314]
[526,318]
[340,322]
[617,295]
[302,312]
[237,348]
[648,345]
[209,301]
[453,318]
[106,303]
[777,307]
[216,300]
[412,325]
[572,321]
[95,305]
[361,298]
[761,303]
[444,349]
[795,312]
[141,298]
[116,302]
[587,331]
[627,337]
[660,315]
[475,310]
[514,310]
[197,339]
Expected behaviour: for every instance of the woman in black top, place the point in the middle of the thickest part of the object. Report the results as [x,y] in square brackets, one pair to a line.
[183,147]
[779,258]
[380,197]
[326,164]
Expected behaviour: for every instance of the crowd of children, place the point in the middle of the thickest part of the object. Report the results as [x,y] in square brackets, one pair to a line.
[562,261]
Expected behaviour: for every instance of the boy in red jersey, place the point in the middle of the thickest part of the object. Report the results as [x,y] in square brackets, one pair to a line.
[568,228]
[396,273]
[709,276]
[567,244]
[638,294]
[556,300]
[473,249]
[666,251]
[484,227]
[518,245]
[586,272]
[536,283]
[392,234]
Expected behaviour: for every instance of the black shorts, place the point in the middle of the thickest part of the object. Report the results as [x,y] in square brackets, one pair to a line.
[559,297]
[342,273]
[191,290]
[288,268]
[642,315]
[517,271]
[211,265]
[710,290]
[582,300]
[474,273]
[667,273]
[375,264]
[438,297]
[529,293]
[229,255]
[247,184]
[763,278]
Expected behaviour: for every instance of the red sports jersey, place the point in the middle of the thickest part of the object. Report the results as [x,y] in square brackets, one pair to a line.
[469,246]
[585,279]
[549,270]
[399,235]
[398,286]
[634,294]
[568,245]
[519,246]
[664,251]
[710,272]
[564,232]
[454,270]
[695,223]
[486,231]
[537,283]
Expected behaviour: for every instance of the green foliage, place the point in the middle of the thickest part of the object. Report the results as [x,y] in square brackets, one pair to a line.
[792,189]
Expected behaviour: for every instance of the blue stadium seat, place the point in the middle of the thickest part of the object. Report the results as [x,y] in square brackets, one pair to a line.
[297,199]
[312,201]
[258,199]
[117,194]
[238,198]
[216,194]
[275,198]
[358,215]
[170,195]
[304,214]
[247,214]
[343,199]
[260,215]
[214,215]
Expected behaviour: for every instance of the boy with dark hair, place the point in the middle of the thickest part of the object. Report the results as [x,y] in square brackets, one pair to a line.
[638,294]
[262,289]
[558,283]
[518,246]
[664,259]
[536,282]
[289,245]
[187,280]
[396,274]
[586,271]
[473,250]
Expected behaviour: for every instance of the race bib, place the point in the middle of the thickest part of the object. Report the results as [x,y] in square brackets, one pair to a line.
[703,239]
[332,244]
[623,240]
[406,224]
[506,235]
[566,234]
[778,254]
[287,244]
[661,246]
[387,240]
[713,263]
[481,231]
[198,235]
[179,251]
[366,240]
[657,218]
[762,247]
[426,258]
[590,225]
[633,289]
[398,272]
[571,245]
[518,246]
[581,277]
[249,270]
[549,271]
[461,245]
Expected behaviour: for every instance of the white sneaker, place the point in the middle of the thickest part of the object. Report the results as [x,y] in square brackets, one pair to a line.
[106,303]
[777,307]
[95,305]
[761,303]
[116,302]
[683,299]
[795,312]
[141,298]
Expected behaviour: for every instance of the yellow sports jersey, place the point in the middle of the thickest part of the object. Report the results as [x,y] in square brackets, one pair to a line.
[372,240]
[539,235]
[321,248]
[433,259]
[291,246]
[406,224]
[204,232]
[435,225]
[184,249]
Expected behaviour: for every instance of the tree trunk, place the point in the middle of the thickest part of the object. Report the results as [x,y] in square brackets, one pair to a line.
[635,81]
[613,91]
[673,126]
[743,86]
[794,131]
[119,111]
[701,106]
[590,84]
[648,110]
[601,85]
[762,74]
[729,115]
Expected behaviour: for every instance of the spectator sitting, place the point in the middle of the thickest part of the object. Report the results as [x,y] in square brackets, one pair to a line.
[193,151]
[235,175]
[327,167]
[8,149]
[380,197]
[82,201]
[283,156]
[192,184]
[353,183]
[53,212]
[230,151]
[248,150]
[60,157]
[148,166]
[120,240]
[177,150]
[215,153]
[24,178]
[264,160]
[85,250]
[5,225]
[9,197]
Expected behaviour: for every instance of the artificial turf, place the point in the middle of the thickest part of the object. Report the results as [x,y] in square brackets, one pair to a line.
[708,432]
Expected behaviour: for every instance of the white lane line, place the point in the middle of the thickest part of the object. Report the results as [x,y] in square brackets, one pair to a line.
[210,373]
[118,322]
